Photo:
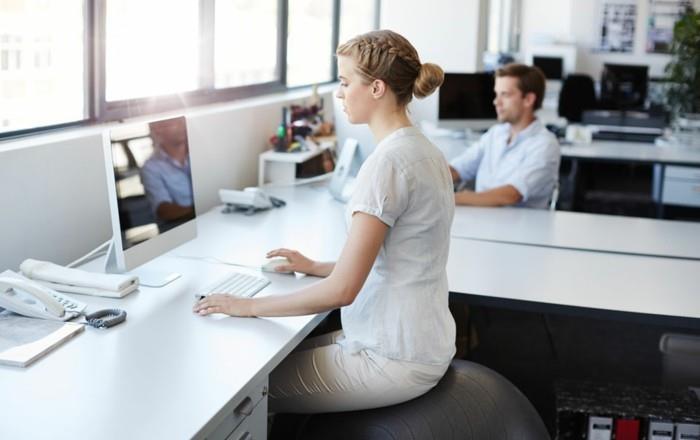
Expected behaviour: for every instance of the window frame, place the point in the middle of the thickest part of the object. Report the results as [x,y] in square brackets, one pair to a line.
[99,111]
[88,78]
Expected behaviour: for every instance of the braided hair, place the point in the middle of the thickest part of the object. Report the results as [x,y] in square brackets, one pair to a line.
[388,56]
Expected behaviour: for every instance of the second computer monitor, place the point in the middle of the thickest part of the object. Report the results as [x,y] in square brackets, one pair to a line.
[466,100]
[623,86]
[149,181]
[552,67]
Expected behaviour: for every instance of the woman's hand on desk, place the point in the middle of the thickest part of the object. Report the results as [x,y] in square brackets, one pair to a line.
[300,263]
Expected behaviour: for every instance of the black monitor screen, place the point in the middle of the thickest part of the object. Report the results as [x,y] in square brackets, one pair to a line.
[552,67]
[467,96]
[623,86]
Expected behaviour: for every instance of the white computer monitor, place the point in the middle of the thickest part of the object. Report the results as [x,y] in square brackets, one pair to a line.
[150,192]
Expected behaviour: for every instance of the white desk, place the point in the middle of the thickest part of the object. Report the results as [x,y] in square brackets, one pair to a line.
[167,373]
[651,286]
[575,230]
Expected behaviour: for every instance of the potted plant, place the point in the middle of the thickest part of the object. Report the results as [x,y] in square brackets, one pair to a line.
[683,73]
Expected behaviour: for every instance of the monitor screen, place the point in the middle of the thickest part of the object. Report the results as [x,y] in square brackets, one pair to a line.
[552,67]
[623,86]
[150,184]
[467,96]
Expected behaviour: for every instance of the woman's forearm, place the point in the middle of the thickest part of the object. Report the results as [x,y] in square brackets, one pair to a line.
[327,294]
[322,269]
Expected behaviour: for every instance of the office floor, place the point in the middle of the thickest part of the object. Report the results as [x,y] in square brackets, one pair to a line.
[519,346]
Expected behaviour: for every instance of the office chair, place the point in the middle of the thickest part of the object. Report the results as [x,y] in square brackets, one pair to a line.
[471,402]
[577,94]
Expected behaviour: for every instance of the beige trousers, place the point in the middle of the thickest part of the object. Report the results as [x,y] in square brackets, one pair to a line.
[320,376]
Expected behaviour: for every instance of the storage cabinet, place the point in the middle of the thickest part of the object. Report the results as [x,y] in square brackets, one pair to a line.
[681,186]
[248,420]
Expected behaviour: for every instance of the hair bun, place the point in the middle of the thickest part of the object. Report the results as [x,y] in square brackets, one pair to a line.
[430,77]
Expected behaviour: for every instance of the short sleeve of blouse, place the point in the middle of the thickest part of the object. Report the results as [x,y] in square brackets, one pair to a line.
[382,192]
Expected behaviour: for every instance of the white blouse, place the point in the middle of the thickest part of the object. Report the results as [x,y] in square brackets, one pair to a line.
[402,310]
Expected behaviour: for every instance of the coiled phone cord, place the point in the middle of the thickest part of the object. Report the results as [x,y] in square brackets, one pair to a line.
[105,318]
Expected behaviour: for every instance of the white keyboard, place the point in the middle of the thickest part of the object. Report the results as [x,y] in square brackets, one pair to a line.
[238,284]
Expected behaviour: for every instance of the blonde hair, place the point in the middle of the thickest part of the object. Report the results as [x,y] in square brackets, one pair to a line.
[388,56]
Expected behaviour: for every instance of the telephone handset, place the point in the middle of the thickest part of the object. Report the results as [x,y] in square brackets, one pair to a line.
[250,200]
[25,297]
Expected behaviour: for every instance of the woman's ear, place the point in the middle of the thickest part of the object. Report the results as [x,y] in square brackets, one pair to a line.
[378,88]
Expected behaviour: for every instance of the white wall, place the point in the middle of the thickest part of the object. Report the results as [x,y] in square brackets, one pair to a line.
[450,33]
[546,21]
[577,22]
[53,187]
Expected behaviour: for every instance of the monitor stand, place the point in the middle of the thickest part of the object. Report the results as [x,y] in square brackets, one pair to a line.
[148,278]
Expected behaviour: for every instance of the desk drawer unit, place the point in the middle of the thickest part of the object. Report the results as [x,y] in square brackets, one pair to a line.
[253,427]
[681,186]
[248,420]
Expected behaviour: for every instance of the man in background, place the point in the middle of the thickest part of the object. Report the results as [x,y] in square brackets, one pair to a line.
[517,161]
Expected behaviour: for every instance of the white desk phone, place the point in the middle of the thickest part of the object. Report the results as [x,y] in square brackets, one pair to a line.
[250,200]
[25,297]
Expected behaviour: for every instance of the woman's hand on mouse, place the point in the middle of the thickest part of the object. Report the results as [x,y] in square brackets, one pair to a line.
[297,261]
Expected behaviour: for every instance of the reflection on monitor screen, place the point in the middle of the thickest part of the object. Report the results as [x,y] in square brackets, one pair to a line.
[149,178]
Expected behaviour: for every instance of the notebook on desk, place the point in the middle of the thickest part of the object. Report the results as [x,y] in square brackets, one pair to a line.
[24,340]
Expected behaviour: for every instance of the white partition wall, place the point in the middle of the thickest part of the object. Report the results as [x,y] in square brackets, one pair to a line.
[53,187]
[54,200]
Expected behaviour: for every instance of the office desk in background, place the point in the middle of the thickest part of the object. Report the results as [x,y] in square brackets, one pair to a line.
[579,282]
[577,230]
[615,151]
[676,170]
[632,152]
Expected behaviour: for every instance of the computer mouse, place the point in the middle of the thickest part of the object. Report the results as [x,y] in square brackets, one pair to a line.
[273,263]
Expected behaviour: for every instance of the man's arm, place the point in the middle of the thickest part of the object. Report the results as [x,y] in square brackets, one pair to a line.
[466,165]
[455,175]
[499,196]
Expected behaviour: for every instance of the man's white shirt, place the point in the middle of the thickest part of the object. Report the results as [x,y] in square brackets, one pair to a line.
[529,162]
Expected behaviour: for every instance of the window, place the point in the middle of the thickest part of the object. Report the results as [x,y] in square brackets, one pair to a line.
[357,17]
[78,61]
[151,48]
[42,64]
[245,42]
[504,26]
[310,44]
